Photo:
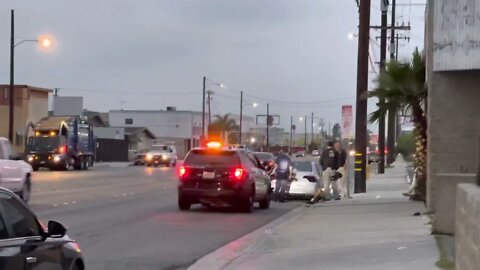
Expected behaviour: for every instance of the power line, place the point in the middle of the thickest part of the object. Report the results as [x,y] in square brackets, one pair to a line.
[126,92]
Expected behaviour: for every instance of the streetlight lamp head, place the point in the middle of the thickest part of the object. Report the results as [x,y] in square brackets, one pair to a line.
[45,42]
[351,36]
[301,118]
[252,140]
[255,104]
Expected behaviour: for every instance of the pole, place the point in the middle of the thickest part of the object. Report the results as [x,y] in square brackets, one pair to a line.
[12,86]
[396,48]
[203,110]
[268,127]
[311,139]
[306,131]
[383,57]
[291,135]
[361,103]
[392,115]
[241,116]
[209,93]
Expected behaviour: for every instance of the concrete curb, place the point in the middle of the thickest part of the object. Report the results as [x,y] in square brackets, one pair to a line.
[223,256]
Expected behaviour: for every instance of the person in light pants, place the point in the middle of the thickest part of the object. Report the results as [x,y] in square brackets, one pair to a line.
[341,168]
[328,162]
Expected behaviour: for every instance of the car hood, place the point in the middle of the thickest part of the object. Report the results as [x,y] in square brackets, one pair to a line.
[157,153]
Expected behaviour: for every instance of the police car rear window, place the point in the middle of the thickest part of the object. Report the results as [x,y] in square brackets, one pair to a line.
[212,158]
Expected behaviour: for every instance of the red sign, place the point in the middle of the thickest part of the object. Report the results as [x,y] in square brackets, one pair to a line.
[347,116]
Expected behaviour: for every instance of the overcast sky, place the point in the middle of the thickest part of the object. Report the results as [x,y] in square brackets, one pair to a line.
[149,54]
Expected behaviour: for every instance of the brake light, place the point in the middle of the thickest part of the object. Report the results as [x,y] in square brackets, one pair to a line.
[62,149]
[238,174]
[182,171]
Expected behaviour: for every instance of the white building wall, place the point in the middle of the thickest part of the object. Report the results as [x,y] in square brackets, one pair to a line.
[171,124]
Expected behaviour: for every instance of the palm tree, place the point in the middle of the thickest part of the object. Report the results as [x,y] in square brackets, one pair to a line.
[402,86]
[222,126]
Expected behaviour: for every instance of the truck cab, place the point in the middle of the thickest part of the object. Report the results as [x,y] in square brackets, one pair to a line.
[161,154]
[15,174]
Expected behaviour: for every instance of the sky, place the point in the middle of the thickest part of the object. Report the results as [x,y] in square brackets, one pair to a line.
[150,54]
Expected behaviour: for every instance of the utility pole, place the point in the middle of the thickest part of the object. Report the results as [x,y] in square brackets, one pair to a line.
[268,127]
[311,139]
[383,57]
[241,116]
[209,99]
[391,138]
[12,86]
[202,137]
[291,135]
[361,102]
[306,131]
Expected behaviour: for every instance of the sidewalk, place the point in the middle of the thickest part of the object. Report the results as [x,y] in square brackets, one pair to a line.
[376,230]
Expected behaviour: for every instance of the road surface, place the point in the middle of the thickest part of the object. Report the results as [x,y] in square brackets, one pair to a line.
[127,218]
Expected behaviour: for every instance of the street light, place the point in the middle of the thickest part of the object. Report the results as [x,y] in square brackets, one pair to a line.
[44,42]
[207,82]
[352,36]
[242,105]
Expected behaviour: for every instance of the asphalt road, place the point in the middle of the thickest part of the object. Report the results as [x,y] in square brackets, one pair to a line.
[127,218]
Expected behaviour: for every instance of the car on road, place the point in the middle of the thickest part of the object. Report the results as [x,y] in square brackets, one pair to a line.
[266,158]
[139,158]
[218,176]
[26,244]
[161,155]
[307,179]
[300,154]
[316,153]
[15,174]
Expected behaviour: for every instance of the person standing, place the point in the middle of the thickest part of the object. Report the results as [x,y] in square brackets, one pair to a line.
[328,162]
[341,169]
[283,173]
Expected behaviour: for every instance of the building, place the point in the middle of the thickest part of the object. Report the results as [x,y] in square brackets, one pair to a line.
[31,105]
[180,128]
[453,72]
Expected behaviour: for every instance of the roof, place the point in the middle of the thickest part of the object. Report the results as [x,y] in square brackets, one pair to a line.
[134,130]
[34,88]
[155,111]
[100,117]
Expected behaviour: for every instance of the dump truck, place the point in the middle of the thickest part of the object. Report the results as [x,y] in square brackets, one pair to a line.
[61,142]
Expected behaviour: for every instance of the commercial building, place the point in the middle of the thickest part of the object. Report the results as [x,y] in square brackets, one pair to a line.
[30,105]
[179,128]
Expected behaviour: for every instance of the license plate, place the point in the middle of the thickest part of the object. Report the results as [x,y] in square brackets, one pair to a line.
[156,161]
[42,162]
[208,175]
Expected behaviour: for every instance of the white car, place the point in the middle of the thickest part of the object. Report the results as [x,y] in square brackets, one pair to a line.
[307,177]
[15,174]
[161,155]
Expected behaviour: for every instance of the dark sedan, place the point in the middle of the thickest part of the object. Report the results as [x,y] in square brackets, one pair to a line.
[25,244]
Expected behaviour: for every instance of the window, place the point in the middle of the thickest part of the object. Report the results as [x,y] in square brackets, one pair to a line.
[2,155]
[3,229]
[212,158]
[23,223]
[128,121]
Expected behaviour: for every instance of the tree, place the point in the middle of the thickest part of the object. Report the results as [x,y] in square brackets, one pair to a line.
[222,126]
[336,132]
[403,88]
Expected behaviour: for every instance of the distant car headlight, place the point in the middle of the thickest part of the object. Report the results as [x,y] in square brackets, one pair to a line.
[164,157]
[30,158]
[149,157]
[57,158]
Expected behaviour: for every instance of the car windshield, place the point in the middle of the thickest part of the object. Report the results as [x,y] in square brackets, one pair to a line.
[303,166]
[159,148]
[264,156]
[43,144]
[212,158]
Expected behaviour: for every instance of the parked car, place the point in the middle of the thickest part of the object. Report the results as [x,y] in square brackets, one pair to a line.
[161,155]
[267,159]
[217,176]
[26,244]
[316,153]
[15,174]
[307,177]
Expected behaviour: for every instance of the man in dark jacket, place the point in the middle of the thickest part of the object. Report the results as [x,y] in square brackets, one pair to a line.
[283,173]
[328,162]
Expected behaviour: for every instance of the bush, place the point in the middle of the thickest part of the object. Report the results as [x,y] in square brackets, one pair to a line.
[406,145]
